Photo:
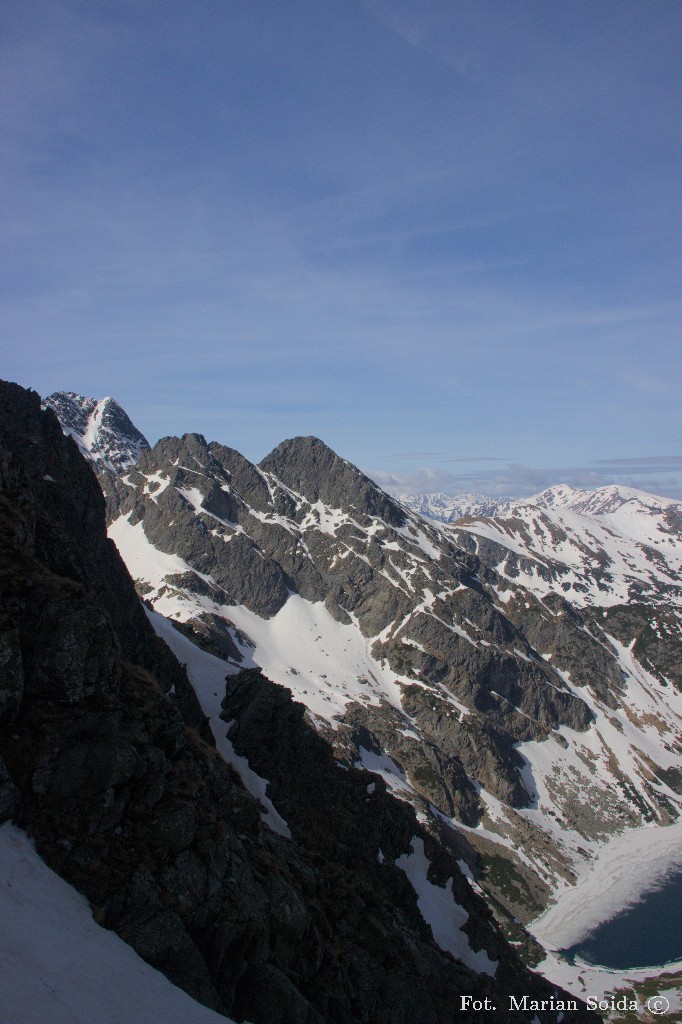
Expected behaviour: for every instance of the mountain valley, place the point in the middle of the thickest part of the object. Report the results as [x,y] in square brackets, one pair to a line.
[480,687]
[487,669]
[485,702]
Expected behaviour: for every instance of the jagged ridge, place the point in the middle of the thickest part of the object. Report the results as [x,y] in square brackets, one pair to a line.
[519,715]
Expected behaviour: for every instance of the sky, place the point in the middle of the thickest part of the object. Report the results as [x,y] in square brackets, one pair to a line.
[442,235]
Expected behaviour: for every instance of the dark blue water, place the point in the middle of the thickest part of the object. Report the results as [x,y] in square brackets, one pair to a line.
[648,933]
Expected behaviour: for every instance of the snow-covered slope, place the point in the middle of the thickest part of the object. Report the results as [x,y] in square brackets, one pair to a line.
[600,500]
[102,430]
[601,547]
[404,647]
[445,658]
[59,966]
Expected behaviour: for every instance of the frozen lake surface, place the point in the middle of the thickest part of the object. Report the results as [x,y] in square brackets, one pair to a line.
[648,932]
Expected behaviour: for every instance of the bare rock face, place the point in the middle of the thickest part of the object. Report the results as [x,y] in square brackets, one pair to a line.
[8,793]
[654,636]
[105,760]
[310,468]
[11,673]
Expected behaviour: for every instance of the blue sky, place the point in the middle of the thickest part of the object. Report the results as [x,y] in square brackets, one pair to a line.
[442,235]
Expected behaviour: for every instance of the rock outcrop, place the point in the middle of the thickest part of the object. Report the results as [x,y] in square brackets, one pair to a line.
[307,521]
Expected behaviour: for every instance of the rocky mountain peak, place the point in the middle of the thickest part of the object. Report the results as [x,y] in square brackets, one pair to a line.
[607,500]
[101,428]
[597,501]
[310,468]
[463,661]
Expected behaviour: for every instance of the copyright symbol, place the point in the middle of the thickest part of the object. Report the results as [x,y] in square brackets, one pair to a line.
[657,1004]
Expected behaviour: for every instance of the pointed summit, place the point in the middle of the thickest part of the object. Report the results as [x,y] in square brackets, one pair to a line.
[103,431]
[311,468]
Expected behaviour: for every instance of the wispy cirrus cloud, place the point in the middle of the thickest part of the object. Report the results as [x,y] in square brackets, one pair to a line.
[432,229]
[650,461]
[427,478]
[443,458]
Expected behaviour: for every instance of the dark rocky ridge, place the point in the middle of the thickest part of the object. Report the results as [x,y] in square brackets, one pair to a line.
[655,636]
[129,803]
[63,509]
[309,467]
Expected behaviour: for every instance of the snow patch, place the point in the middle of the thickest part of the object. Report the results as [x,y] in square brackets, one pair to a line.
[208,675]
[438,908]
[144,561]
[383,765]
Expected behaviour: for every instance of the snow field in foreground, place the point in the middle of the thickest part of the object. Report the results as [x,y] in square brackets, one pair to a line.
[57,966]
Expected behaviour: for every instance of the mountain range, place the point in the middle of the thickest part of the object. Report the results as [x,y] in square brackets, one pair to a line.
[599,547]
[460,655]
[480,699]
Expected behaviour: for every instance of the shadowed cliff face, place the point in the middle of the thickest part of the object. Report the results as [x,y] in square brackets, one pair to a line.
[105,760]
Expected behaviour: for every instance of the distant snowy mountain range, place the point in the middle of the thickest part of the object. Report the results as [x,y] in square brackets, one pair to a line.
[509,667]
[445,508]
[600,547]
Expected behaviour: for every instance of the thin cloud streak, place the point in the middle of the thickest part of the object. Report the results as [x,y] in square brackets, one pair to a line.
[652,461]
[443,458]
[519,480]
